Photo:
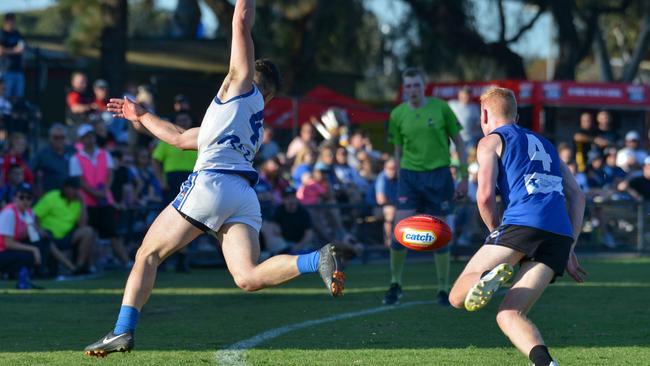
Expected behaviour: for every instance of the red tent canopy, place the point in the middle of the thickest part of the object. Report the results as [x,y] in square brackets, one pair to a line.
[286,112]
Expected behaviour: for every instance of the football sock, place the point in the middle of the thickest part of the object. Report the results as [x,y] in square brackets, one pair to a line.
[308,263]
[442,270]
[397,259]
[127,320]
[539,355]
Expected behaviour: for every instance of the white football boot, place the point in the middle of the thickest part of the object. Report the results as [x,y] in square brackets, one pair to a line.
[481,293]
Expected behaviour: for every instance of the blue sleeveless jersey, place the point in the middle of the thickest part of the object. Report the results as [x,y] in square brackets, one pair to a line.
[530,181]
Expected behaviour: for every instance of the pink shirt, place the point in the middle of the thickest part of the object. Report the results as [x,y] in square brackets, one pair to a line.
[310,193]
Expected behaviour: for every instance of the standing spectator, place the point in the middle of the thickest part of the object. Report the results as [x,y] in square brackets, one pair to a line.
[12,46]
[468,116]
[421,128]
[386,197]
[94,168]
[19,253]
[100,91]
[9,189]
[51,164]
[181,103]
[171,164]
[78,101]
[606,135]
[631,157]
[16,156]
[583,140]
[63,215]
[269,149]
[304,140]
[639,187]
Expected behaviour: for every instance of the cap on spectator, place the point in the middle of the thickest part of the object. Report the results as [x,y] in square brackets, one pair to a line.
[289,191]
[593,155]
[73,182]
[10,16]
[100,83]
[181,98]
[24,187]
[84,129]
[632,135]
[321,166]
[647,160]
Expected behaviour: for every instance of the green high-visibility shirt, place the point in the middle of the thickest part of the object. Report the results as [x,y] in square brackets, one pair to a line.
[423,134]
[174,159]
[57,214]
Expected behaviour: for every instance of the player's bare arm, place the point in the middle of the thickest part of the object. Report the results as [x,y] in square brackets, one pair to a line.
[487,156]
[242,54]
[146,122]
[575,199]
[461,189]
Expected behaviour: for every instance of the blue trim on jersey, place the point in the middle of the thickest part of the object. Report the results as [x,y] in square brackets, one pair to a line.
[250,175]
[186,188]
[247,94]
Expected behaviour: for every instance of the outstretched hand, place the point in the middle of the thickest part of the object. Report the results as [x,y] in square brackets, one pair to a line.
[574,269]
[125,108]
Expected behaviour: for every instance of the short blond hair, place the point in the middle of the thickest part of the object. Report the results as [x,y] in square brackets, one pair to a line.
[501,101]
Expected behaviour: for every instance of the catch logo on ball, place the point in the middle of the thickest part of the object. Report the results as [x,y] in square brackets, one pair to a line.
[422,233]
[418,237]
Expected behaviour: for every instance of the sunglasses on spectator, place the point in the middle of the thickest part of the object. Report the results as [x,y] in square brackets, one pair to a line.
[24,197]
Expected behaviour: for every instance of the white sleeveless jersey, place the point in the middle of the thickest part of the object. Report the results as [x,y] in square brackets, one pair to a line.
[231,134]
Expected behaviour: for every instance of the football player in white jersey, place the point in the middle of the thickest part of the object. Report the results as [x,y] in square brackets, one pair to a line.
[217,197]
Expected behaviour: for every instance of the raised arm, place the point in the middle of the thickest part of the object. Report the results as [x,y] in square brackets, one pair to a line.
[145,122]
[488,171]
[242,53]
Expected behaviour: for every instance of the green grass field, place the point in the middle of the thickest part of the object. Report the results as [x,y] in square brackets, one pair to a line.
[605,321]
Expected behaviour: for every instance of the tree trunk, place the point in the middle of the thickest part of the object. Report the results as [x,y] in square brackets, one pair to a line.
[114,43]
[640,49]
[602,56]
[223,10]
[187,17]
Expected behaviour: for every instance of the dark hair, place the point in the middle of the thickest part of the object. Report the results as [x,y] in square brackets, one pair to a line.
[267,77]
[15,166]
[10,16]
[413,72]
[182,112]
[72,182]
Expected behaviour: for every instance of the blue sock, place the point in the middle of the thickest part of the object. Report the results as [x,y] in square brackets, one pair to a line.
[127,320]
[308,263]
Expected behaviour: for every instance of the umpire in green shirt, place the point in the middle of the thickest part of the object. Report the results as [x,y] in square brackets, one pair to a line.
[420,129]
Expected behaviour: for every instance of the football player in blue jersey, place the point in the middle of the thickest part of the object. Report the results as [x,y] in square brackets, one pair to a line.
[218,197]
[538,230]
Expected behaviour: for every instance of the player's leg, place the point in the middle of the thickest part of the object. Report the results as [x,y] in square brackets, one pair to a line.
[388,214]
[168,233]
[529,284]
[487,258]
[241,250]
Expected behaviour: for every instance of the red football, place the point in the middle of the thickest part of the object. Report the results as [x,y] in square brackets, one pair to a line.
[422,233]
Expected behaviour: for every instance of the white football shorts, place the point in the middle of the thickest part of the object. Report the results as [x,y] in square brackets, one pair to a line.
[213,199]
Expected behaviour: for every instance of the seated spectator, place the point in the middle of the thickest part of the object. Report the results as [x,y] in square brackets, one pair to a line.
[581,178]
[123,182]
[386,197]
[565,152]
[79,103]
[21,248]
[351,183]
[93,166]
[269,187]
[52,162]
[313,188]
[105,138]
[305,140]
[269,148]
[147,188]
[17,156]
[63,216]
[606,135]
[583,140]
[303,163]
[595,173]
[291,226]
[359,142]
[8,190]
[100,91]
[181,103]
[639,187]
[613,174]
[326,165]
[5,103]
[631,157]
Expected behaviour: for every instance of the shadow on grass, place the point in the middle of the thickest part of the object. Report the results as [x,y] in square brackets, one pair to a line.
[186,313]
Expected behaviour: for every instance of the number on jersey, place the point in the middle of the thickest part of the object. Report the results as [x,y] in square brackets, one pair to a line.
[536,152]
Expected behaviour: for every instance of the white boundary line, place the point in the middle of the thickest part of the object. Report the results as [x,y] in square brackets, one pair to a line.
[234,355]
